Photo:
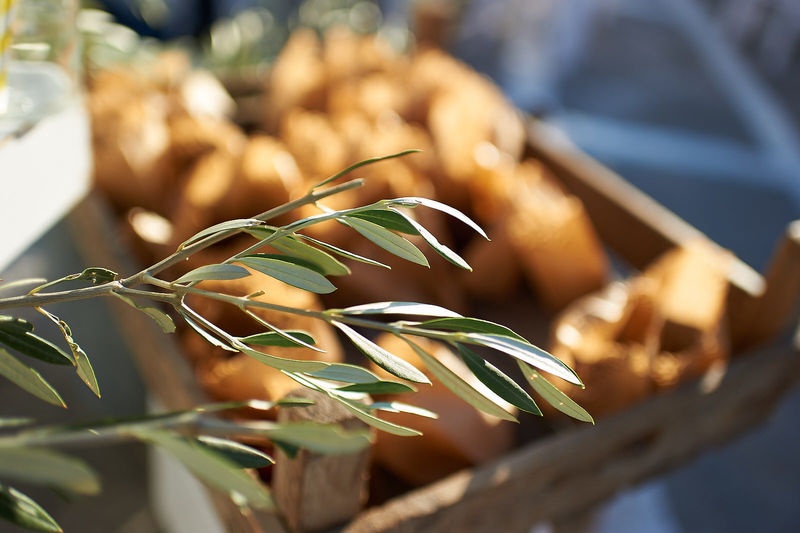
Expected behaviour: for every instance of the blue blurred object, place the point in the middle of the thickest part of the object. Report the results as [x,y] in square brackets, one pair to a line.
[169,19]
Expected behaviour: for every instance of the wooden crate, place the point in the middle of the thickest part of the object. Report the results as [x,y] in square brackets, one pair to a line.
[565,474]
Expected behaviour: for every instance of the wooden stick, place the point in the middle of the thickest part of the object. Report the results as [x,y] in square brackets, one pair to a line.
[770,314]
[627,220]
[570,472]
[315,491]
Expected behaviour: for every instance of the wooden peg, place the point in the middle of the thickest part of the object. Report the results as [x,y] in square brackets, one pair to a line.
[315,491]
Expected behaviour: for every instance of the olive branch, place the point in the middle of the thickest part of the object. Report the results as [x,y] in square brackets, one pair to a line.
[204,442]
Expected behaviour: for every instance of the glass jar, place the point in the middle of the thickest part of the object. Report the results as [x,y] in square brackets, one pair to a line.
[45,158]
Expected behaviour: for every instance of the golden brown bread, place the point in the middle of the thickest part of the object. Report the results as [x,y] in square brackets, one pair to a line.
[660,328]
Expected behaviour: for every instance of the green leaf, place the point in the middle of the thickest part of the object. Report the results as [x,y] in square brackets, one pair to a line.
[273,338]
[526,352]
[222,226]
[240,454]
[361,164]
[411,201]
[82,363]
[289,270]
[388,240]
[397,308]
[361,412]
[400,407]
[15,422]
[209,338]
[161,318]
[388,219]
[319,438]
[325,263]
[213,468]
[470,325]
[378,387]
[358,409]
[46,467]
[553,396]
[434,243]
[345,253]
[43,286]
[283,363]
[94,275]
[216,272]
[19,509]
[13,324]
[28,379]
[97,275]
[34,346]
[460,388]
[381,357]
[346,373]
[9,285]
[497,381]
[84,369]
[290,450]
[290,337]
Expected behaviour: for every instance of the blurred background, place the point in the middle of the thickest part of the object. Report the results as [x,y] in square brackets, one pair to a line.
[695,102]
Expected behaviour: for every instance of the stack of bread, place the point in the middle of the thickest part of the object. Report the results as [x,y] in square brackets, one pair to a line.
[172,162]
[661,327]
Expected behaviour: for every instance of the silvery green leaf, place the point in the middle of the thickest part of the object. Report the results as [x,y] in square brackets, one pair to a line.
[215,272]
[28,379]
[222,226]
[361,164]
[553,396]
[213,468]
[398,308]
[211,339]
[388,219]
[290,337]
[439,206]
[434,243]
[289,270]
[319,438]
[351,401]
[470,325]
[345,253]
[21,510]
[326,264]
[460,388]
[160,317]
[82,364]
[346,373]
[273,338]
[400,407]
[242,455]
[362,413]
[497,381]
[526,352]
[283,363]
[46,467]
[381,357]
[388,240]
[378,387]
